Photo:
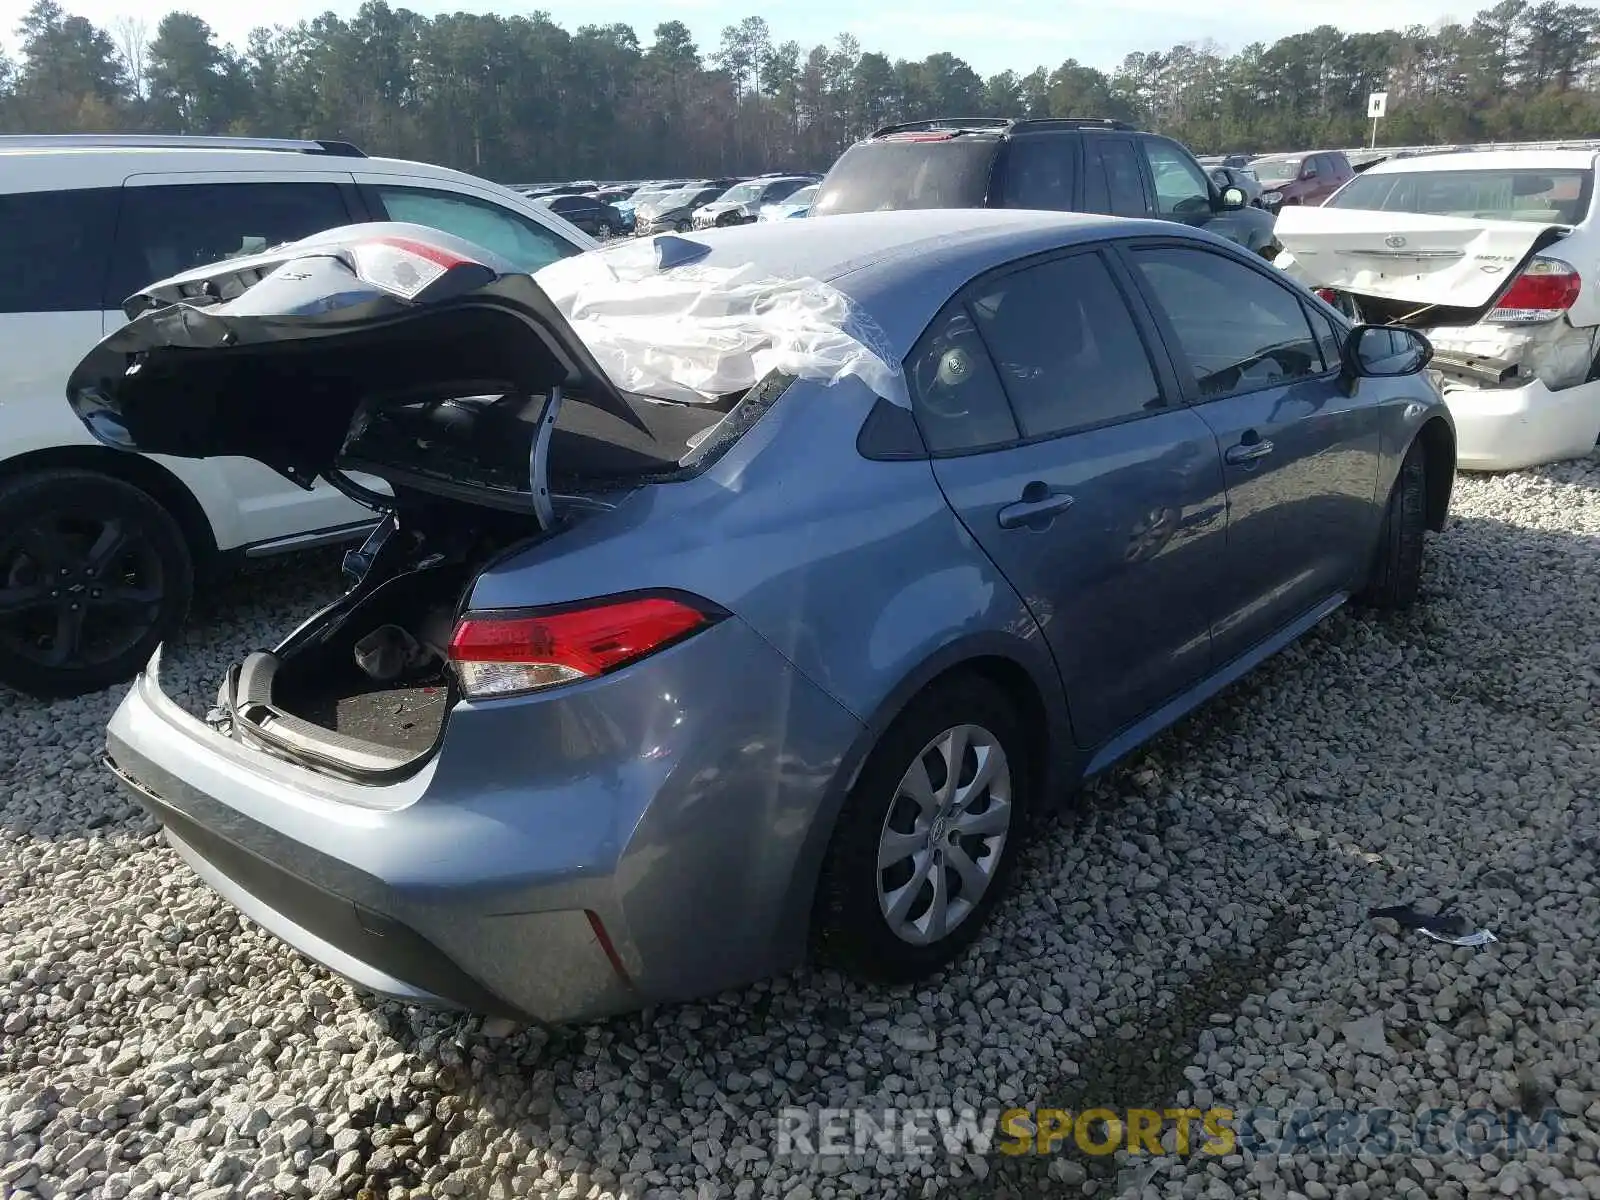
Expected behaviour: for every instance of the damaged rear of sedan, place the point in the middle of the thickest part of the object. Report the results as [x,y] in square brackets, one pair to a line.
[1496,257]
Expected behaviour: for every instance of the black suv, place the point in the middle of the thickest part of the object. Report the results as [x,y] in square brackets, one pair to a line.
[1072,164]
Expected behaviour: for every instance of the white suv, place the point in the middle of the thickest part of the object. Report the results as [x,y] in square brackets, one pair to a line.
[98,548]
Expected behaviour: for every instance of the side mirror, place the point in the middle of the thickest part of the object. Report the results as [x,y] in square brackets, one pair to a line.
[1309,173]
[1386,351]
[1233,197]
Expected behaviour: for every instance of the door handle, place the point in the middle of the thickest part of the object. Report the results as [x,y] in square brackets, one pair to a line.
[1034,510]
[1250,447]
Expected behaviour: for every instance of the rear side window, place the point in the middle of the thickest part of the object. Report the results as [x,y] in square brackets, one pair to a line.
[1112,182]
[883,175]
[1039,173]
[512,236]
[1069,353]
[56,247]
[167,229]
[955,392]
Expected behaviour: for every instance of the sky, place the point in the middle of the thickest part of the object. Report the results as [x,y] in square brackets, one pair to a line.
[991,35]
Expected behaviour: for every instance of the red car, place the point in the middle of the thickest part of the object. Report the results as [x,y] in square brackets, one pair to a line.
[1301,178]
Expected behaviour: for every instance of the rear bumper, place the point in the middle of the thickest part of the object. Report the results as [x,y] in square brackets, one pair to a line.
[1506,429]
[559,860]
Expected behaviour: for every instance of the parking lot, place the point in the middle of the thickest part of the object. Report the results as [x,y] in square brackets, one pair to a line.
[1194,935]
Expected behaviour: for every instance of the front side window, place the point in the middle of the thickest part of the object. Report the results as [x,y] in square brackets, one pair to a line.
[514,237]
[1239,330]
[1069,353]
[172,228]
[1181,189]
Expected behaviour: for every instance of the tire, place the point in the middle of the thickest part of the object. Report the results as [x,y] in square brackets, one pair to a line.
[94,561]
[852,926]
[1395,578]
[604,232]
[683,227]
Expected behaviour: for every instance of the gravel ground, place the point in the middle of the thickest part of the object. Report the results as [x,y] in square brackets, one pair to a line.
[1197,934]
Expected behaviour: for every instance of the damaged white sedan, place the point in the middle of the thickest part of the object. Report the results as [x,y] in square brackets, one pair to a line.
[1496,257]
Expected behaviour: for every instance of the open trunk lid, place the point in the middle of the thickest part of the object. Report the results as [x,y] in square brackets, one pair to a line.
[391,349]
[1416,259]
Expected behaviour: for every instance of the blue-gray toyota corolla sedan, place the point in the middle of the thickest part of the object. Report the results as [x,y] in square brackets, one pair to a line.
[745,594]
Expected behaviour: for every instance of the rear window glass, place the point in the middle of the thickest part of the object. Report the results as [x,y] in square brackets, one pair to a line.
[56,247]
[887,175]
[1525,194]
[1276,170]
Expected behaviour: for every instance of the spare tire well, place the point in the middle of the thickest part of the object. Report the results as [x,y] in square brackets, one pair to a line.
[150,477]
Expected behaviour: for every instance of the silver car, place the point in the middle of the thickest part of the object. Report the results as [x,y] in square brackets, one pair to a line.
[633,699]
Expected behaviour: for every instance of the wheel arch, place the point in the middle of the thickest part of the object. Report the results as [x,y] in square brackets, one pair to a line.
[1438,442]
[1020,668]
[141,472]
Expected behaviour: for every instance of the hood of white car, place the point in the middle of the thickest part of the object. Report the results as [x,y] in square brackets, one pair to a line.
[1416,258]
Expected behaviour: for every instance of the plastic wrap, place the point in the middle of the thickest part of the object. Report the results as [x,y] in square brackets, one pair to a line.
[662,324]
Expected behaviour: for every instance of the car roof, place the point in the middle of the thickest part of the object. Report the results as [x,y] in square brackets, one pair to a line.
[52,168]
[1486,160]
[901,266]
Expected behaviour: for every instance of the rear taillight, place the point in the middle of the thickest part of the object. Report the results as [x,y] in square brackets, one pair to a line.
[499,656]
[1542,291]
[1328,296]
[402,265]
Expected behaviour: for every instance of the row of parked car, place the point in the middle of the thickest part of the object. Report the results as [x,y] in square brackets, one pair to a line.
[641,691]
[1275,181]
[679,205]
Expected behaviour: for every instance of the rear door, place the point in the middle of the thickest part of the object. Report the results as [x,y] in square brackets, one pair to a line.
[176,221]
[1300,455]
[1057,442]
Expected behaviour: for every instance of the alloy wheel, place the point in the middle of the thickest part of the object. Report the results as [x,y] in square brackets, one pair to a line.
[944,835]
[77,590]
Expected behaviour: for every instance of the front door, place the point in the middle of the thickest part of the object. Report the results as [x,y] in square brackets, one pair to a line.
[1300,455]
[1102,502]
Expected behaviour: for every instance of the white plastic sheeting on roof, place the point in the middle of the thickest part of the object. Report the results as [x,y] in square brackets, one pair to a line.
[662,325]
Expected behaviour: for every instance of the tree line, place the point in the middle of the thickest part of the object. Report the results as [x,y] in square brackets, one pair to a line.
[521,99]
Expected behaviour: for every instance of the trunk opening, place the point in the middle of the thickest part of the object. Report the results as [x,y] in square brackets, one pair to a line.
[363,689]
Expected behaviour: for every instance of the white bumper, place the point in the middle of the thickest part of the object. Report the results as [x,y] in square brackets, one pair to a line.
[1506,429]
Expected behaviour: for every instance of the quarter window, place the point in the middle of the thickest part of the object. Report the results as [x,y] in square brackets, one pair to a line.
[55,247]
[1038,173]
[1238,329]
[955,392]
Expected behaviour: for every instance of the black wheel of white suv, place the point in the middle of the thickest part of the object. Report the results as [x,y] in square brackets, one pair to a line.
[94,573]
[927,840]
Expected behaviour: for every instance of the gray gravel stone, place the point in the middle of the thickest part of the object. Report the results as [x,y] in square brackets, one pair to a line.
[1194,932]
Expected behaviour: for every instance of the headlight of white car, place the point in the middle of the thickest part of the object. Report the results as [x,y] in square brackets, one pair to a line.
[1271,197]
